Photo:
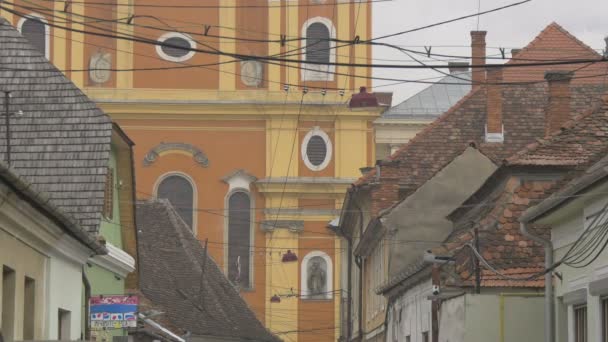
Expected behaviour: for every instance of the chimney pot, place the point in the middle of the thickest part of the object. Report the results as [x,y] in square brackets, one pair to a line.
[458,67]
[494,125]
[515,52]
[478,56]
[606,49]
[558,110]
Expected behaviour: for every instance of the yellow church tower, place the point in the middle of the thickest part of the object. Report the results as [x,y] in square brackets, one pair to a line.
[255,155]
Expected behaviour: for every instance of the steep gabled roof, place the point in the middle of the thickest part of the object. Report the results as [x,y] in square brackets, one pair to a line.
[177,275]
[555,43]
[61,144]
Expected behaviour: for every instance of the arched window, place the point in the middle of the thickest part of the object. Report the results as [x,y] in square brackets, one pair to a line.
[317,43]
[239,238]
[319,49]
[35,29]
[316,276]
[179,191]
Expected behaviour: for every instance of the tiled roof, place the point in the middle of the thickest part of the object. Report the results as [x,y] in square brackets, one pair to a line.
[555,43]
[433,100]
[61,144]
[579,142]
[171,263]
[523,113]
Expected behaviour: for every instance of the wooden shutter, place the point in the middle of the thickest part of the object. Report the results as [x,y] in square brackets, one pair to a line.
[35,31]
[317,43]
[108,202]
[580,323]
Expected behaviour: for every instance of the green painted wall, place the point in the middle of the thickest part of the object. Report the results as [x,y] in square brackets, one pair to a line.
[104,282]
[110,227]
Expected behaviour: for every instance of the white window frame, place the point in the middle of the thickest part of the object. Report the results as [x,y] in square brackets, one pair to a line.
[316,72]
[47,31]
[304,275]
[163,55]
[194,194]
[316,131]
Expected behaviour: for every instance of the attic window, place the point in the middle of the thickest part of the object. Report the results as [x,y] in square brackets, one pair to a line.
[176,47]
[316,149]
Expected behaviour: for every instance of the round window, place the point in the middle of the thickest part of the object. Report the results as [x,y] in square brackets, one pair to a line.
[316,150]
[176,47]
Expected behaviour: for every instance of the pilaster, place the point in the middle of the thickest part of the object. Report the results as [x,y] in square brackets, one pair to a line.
[227,20]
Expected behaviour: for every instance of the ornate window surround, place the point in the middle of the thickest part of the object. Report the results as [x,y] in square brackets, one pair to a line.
[316,131]
[194,194]
[47,31]
[169,35]
[304,275]
[315,72]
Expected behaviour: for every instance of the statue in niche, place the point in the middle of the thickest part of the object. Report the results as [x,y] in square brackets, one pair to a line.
[317,278]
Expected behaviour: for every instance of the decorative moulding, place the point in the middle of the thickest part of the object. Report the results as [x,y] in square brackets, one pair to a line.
[252,73]
[117,261]
[239,179]
[100,65]
[295,226]
[198,155]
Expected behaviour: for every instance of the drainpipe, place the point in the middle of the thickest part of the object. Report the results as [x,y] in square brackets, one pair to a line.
[349,286]
[549,299]
[359,263]
[87,296]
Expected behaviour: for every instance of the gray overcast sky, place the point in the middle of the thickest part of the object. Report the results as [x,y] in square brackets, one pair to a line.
[509,28]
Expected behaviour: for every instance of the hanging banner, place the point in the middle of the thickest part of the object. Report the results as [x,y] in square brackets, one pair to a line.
[114,312]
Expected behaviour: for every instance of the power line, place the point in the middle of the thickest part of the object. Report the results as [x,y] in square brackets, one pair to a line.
[280,59]
[224,6]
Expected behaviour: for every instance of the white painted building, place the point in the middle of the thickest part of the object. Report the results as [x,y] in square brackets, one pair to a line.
[42,253]
[578,216]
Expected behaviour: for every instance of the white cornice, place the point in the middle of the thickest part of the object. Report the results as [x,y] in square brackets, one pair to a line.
[116,261]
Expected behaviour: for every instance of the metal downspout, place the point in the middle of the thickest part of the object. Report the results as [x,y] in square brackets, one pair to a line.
[87,296]
[549,299]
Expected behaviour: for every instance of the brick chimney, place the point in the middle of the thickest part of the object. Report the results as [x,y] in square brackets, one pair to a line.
[558,110]
[494,125]
[478,56]
[515,52]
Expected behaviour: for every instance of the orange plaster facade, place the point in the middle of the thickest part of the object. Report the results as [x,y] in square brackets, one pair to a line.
[203,102]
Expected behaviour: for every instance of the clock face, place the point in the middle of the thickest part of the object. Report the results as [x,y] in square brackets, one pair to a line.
[100,65]
[251,73]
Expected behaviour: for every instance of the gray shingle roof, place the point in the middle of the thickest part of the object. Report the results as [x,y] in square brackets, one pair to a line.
[40,201]
[171,261]
[433,100]
[62,142]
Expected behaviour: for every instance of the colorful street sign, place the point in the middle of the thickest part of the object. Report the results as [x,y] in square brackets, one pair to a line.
[113,312]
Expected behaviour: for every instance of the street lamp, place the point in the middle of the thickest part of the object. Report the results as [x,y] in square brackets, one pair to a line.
[7,124]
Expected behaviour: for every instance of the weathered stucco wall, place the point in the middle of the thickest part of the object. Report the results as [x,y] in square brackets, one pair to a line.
[422,215]
[410,315]
[495,316]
